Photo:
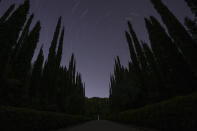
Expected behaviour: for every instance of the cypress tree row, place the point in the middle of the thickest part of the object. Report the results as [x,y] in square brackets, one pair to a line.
[162,71]
[49,87]
[178,33]
[170,61]
[9,32]
[24,57]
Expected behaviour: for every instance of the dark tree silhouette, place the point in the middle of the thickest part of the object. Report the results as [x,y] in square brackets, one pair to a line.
[179,34]
[10,30]
[171,61]
[59,51]
[49,72]
[6,14]
[193,6]
[35,89]
[26,53]
[50,88]
[192,27]
[157,71]
[192,23]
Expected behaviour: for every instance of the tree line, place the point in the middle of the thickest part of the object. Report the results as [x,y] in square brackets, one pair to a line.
[97,107]
[163,69]
[44,85]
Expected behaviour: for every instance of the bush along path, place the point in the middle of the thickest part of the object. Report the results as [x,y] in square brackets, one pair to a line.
[178,114]
[21,119]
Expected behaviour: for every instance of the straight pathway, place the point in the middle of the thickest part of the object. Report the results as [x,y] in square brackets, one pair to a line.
[103,125]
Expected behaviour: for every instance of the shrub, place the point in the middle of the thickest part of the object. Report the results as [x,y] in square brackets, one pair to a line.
[12,118]
[178,114]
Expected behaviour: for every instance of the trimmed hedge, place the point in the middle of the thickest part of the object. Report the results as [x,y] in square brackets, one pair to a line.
[178,114]
[12,119]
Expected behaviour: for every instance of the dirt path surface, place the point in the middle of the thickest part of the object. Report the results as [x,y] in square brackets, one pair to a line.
[104,125]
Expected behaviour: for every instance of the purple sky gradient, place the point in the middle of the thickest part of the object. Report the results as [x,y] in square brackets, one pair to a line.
[94,31]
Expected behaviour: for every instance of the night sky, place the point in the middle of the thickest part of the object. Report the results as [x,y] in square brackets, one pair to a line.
[94,31]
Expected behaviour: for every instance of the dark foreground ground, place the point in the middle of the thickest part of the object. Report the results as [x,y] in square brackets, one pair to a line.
[103,125]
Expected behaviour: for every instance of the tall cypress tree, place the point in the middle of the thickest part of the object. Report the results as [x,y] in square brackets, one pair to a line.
[62,90]
[178,33]
[21,71]
[6,14]
[61,78]
[80,94]
[74,87]
[52,49]
[25,31]
[72,69]
[71,88]
[49,72]
[60,47]
[133,55]
[154,81]
[21,41]
[171,61]
[23,64]
[63,100]
[10,31]
[35,80]
[136,71]
[138,48]
[141,59]
[116,81]
[160,45]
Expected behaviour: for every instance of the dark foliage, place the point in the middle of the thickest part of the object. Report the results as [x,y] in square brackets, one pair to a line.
[6,14]
[97,107]
[161,70]
[48,87]
[192,23]
[192,27]
[13,118]
[177,114]
[193,6]
[178,33]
